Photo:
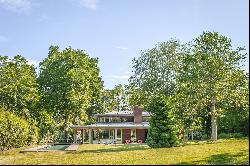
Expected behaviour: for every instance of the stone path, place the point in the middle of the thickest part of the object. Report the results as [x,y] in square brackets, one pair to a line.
[72,147]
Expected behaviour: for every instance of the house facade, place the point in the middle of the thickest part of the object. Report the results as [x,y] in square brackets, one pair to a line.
[115,127]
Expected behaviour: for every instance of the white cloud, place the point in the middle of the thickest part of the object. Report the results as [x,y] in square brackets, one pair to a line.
[90,4]
[33,62]
[18,6]
[121,47]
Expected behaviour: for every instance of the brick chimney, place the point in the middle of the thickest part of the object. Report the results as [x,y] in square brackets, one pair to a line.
[137,115]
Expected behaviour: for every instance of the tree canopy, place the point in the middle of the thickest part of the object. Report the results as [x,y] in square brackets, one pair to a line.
[18,85]
[211,75]
[198,87]
[154,72]
[69,81]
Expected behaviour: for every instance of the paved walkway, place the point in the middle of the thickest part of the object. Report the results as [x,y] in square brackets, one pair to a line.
[34,149]
[72,147]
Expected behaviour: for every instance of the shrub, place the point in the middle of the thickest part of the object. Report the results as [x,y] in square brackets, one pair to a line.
[230,135]
[224,135]
[15,132]
[205,137]
[237,135]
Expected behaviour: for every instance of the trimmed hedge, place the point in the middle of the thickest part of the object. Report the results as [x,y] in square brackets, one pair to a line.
[15,132]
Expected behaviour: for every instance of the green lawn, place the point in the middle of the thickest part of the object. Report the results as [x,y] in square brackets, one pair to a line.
[231,151]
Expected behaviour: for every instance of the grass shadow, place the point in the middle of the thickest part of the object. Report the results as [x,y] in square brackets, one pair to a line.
[222,159]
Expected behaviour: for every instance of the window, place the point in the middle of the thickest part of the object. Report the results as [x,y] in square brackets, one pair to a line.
[115,119]
[118,133]
[102,119]
[124,120]
[106,119]
[145,119]
[104,134]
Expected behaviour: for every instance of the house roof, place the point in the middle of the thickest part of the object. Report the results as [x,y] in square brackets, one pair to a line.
[127,125]
[120,113]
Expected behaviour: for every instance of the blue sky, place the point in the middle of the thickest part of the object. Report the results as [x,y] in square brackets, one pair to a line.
[115,30]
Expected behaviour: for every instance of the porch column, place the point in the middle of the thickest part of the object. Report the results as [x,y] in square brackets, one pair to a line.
[90,136]
[75,136]
[98,135]
[83,135]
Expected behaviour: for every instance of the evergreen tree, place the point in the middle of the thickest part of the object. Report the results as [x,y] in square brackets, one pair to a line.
[162,132]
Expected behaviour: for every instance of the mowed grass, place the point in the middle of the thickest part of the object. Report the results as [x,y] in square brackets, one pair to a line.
[230,151]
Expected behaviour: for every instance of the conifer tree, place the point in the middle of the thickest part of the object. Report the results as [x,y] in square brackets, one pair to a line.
[162,132]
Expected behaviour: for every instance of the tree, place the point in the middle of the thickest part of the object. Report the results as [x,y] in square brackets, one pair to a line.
[211,75]
[154,72]
[18,85]
[235,117]
[116,99]
[162,131]
[68,82]
[97,90]
[47,127]
[15,131]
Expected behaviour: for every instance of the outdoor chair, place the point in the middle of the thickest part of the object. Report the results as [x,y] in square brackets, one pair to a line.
[127,141]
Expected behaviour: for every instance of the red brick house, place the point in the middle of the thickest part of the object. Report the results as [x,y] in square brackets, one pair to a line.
[115,127]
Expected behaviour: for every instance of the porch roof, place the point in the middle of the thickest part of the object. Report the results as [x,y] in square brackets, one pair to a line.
[125,125]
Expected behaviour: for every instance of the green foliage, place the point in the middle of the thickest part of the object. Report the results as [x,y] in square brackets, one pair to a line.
[47,127]
[15,131]
[18,86]
[206,123]
[162,131]
[230,135]
[115,99]
[154,73]
[210,75]
[18,97]
[202,81]
[70,86]
[234,121]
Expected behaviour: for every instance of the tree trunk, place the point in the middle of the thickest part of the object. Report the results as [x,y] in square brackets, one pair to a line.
[184,140]
[181,135]
[192,135]
[213,122]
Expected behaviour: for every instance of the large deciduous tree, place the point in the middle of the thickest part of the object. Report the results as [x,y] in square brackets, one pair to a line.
[154,72]
[18,86]
[211,75]
[69,82]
